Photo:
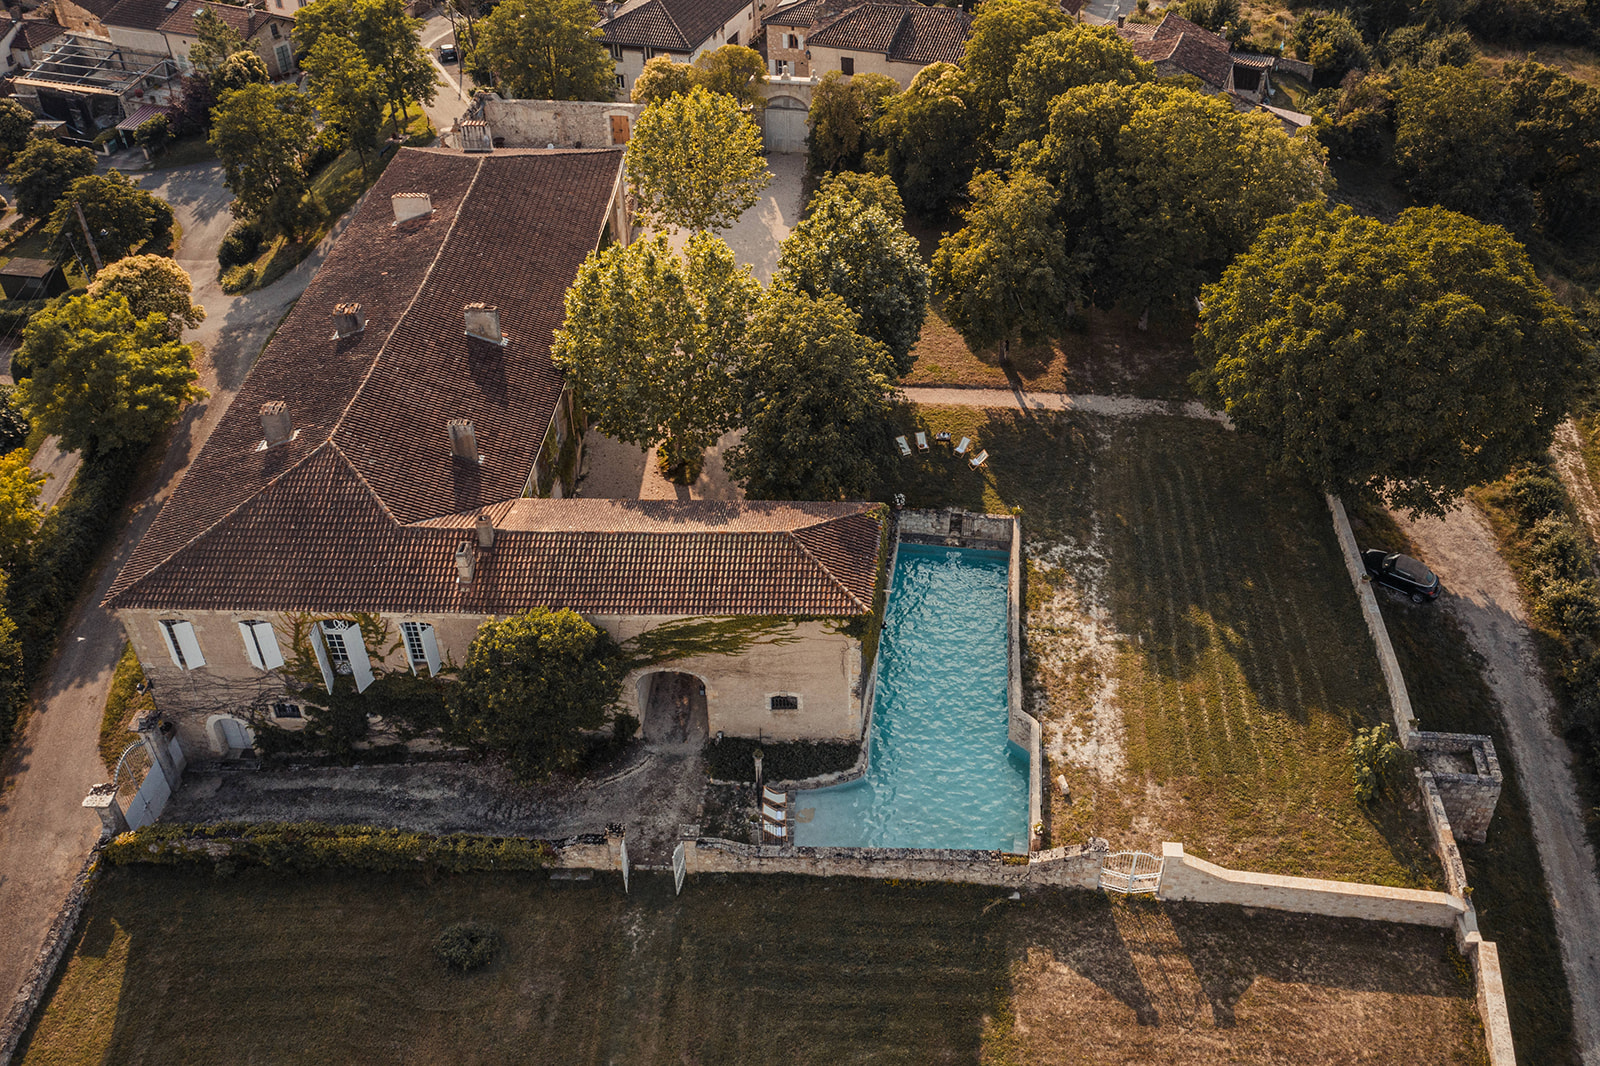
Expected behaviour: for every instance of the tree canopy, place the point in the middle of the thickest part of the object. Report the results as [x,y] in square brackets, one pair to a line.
[1161,187]
[732,70]
[19,511]
[857,252]
[150,284]
[261,134]
[1001,29]
[843,120]
[816,401]
[654,342]
[119,214]
[103,379]
[1331,43]
[346,92]
[546,50]
[215,41]
[1411,360]
[41,172]
[390,40]
[16,126]
[931,133]
[662,77]
[1452,128]
[532,684]
[1051,64]
[869,190]
[695,162]
[1007,273]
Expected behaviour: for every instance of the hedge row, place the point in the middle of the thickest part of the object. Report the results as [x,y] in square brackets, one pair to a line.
[304,846]
[733,759]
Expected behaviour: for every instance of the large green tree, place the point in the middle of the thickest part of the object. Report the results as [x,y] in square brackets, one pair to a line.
[817,400]
[661,78]
[16,126]
[843,120]
[655,341]
[261,134]
[857,252]
[1411,360]
[151,283]
[41,172]
[215,41]
[532,685]
[1007,275]
[1161,187]
[119,214]
[735,71]
[1001,29]
[546,50]
[695,162]
[931,134]
[346,92]
[1452,132]
[19,507]
[1055,62]
[103,379]
[390,40]
[1555,149]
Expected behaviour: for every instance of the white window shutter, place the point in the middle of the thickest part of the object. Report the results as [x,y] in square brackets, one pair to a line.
[360,665]
[322,655]
[172,649]
[267,641]
[183,632]
[247,630]
[430,648]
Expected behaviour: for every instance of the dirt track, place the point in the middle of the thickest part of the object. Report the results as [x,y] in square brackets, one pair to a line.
[1482,594]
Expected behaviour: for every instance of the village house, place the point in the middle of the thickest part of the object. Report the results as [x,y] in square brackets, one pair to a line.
[22,41]
[168,26]
[1178,46]
[398,465]
[681,30]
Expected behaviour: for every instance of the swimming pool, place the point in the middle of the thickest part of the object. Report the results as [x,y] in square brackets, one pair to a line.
[943,772]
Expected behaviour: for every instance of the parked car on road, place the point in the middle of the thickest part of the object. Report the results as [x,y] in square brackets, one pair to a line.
[447,53]
[1402,573]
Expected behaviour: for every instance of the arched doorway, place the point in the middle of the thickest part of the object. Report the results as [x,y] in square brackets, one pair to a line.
[673,707]
[784,124]
[230,736]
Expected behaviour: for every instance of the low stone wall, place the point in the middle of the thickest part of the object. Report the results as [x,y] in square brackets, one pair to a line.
[1188,878]
[955,528]
[563,123]
[51,955]
[1077,867]
[1023,728]
[1405,719]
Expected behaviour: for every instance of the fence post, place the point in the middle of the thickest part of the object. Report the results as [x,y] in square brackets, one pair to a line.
[148,726]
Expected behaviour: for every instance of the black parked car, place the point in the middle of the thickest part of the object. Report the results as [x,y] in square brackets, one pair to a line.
[1402,573]
[447,53]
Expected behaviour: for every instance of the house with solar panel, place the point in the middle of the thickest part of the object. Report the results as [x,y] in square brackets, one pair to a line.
[399,466]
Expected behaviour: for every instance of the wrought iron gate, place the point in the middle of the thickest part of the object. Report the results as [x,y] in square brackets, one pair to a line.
[1131,873]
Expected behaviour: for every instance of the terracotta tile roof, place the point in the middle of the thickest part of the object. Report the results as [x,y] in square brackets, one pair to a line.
[1181,43]
[906,33]
[806,13]
[364,509]
[931,35]
[669,25]
[35,32]
[179,20]
[865,28]
[508,229]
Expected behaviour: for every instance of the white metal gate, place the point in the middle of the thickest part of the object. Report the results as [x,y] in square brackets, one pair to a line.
[784,125]
[1131,873]
[150,800]
[624,864]
[680,866]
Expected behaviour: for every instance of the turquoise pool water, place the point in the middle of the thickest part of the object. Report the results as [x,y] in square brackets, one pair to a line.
[943,772]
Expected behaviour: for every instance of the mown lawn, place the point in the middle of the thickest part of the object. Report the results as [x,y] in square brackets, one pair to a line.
[173,967]
[1193,643]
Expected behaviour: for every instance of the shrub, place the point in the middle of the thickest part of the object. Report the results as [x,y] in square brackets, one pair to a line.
[1559,552]
[733,759]
[1376,760]
[1536,496]
[240,244]
[14,315]
[467,946]
[13,423]
[1569,607]
[305,846]
[238,278]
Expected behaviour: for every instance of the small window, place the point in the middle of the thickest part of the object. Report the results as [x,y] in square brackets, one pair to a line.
[616,52]
[276,33]
[733,38]
[422,647]
[333,635]
[791,41]
[847,65]
[182,645]
[286,710]
[622,82]
[649,54]
[785,703]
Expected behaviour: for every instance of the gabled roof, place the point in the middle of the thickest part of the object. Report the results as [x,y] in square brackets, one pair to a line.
[669,25]
[35,32]
[907,33]
[179,19]
[806,13]
[1184,45]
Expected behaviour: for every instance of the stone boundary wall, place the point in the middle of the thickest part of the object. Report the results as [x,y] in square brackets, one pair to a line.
[1187,878]
[1023,729]
[563,123]
[984,532]
[1405,719]
[1075,867]
[51,955]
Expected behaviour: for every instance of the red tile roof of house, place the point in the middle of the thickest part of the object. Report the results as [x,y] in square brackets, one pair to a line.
[907,33]
[669,25]
[179,20]
[35,32]
[364,508]
[1185,45]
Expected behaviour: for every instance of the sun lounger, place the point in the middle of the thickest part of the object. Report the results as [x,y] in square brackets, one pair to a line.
[961,449]
[905,449]
[774,797]
[771,814]
[922,442]
[942,438]
[774,830]
[979,459]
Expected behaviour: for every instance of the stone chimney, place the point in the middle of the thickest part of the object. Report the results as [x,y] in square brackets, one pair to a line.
[464,440]
[485,532]
[1122,20]
[483,322]
[465,565]
[348,320]
[410,205]
[276,425]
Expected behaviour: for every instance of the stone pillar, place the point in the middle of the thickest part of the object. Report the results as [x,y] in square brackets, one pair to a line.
[687,835]
[148,726]
[616,833]
[102,799]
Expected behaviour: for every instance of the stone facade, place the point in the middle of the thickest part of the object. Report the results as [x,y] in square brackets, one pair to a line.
[955,528]
[562,123]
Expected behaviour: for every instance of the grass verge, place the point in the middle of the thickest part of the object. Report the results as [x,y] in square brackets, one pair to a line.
[1193,644]
[174,967]
[1444,677]
[122,702]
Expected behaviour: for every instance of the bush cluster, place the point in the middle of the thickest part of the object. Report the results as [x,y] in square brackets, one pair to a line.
[304,846]
[1377,760]
[14,425]
[239,244]
[467,946]
[14,314]
[733,759]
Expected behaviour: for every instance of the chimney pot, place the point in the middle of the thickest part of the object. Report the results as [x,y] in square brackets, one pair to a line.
[1122,20]
[276,425]
[410,205]
[483,321]
[465,564]
[348,320]
[464,440]
[485,532]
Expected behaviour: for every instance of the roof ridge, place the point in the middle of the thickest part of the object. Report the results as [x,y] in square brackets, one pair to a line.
[794,535]
[422,283]
[362,478]
[666,10]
